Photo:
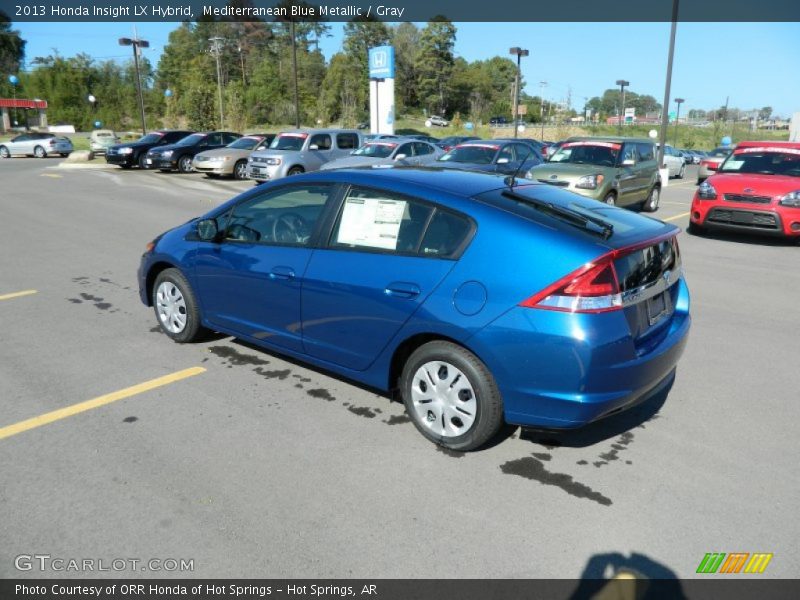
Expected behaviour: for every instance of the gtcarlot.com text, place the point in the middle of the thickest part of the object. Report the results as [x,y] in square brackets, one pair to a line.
[57,564]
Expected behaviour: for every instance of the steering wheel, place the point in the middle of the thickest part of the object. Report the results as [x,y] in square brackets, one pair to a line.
[289,228]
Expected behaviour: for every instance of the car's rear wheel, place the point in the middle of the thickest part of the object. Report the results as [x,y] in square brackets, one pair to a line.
[185,164]
[295,171]
[240,170]
[39,152]
[610,199]
[175,306]
[64,154]
[4,153]
[651,204]
[451,396]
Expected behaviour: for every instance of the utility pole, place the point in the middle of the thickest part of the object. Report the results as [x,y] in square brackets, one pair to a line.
[519,52]
[216,50]
[668,84]
[622,83]
[678,101]
[137,43]
[294,71]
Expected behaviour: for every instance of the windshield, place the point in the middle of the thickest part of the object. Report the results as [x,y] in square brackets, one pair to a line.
[245,143]
[289,141]
[603,154]
[719,152]
[191,140]
[376,150]
[764,161]
[481,154]
[151,138]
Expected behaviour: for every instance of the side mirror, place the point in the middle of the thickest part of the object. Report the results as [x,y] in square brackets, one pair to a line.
[400,157]
[313,147]
[502,161]
[628,162]
[207,230]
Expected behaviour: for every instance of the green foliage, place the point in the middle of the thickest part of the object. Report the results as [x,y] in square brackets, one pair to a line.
[434,64]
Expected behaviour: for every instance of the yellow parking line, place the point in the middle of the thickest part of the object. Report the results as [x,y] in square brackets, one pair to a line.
[75,409]
[676,217]
[17,294]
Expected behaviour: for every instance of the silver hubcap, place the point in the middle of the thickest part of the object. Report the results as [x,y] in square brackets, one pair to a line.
[654,199]
[241,170]
[39,152]
[443,399]
[4,153]
[186,164]
[171,307]
[610,200]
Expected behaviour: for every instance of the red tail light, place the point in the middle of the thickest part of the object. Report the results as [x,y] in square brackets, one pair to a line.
[593,288]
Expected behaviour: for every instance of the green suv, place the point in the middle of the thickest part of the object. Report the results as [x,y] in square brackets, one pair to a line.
[614,170]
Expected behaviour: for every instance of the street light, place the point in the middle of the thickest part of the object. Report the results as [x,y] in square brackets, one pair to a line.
[519,53]
[667,85]
[137,43]
[542,85]
[678,101]
[622,84]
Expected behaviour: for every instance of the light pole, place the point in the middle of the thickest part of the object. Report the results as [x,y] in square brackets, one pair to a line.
[665,110]
[216,50]
[678,101]
[622,84]
[542,85]
[519,53]
[137,43]
[294,71]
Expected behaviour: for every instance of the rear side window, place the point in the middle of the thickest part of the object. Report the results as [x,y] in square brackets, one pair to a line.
[377,220]
[646,152]
[346,141]
[321,140]
[445,235]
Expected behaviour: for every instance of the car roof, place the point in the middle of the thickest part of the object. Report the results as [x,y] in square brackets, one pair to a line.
[453,181]
[327,130]
[765,143]
[616,139]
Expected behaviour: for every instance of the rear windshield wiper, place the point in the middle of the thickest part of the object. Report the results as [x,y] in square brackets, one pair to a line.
[591,224]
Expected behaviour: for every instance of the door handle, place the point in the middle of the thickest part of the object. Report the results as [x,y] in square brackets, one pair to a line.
[281,273]
[401,289]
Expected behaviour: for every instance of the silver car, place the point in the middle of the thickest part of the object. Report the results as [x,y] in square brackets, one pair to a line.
[300,151]
[232,159]
[674,161]
[39,145]
[102,139]
[388,152]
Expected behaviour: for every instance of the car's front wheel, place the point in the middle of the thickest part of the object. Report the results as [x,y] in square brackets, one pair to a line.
[175,306]
[185,164]
[451,396]
[240,170]
[295,171]
[610,199]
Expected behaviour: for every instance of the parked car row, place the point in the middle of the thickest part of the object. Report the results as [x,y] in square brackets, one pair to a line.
[40,145]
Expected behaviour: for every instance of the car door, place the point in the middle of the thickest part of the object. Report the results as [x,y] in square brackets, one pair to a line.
[386,254]
[628,184]
[320,151]
[249,281]
[19,144]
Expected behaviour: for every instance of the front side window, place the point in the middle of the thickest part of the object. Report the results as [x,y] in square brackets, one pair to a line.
[322,141]
[628,153]
[406,149]
[377,220]
[286,216]
[646,152]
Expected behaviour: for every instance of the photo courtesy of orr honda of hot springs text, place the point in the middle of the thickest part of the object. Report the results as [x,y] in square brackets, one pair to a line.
[481,299]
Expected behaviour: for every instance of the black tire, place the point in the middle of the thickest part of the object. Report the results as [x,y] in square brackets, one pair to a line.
[39,152]
[651,204]
[142,161]
[295,171]
[488,418]
[610,199]
[185,164]
[240,170]
[695,229]
[682,171]
[4,153]
[192,330]
[64,154]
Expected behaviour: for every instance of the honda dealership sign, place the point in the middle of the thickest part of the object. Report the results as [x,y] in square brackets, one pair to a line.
[381,89]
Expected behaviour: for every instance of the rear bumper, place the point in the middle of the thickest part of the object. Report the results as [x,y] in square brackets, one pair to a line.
[781,222]
[562,370]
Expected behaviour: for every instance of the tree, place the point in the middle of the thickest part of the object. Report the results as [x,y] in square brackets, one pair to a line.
[12,53]
[360,35]
[405,39]
[434,63]
[765,113]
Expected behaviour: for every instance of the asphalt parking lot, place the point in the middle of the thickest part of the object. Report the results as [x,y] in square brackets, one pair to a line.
[254,466]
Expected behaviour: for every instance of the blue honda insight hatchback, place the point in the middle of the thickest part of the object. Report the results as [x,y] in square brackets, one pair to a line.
[483,299]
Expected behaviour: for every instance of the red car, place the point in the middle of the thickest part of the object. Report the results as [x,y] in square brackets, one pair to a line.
[756,189]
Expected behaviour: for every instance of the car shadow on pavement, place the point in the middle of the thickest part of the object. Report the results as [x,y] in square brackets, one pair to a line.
[613,575]
[752,239]
[604,429]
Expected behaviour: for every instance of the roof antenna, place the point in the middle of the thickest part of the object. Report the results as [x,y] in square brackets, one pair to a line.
[509,181]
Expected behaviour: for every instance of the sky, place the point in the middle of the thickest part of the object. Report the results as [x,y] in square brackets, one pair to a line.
[754,64]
